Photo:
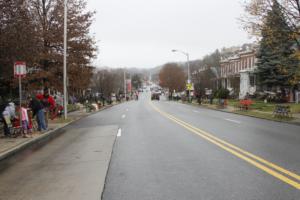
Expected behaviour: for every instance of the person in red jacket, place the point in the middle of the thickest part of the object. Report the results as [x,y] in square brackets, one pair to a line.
[51,101]
[48,103]
[47,100]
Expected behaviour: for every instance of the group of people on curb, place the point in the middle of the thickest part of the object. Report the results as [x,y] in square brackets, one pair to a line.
[39,105]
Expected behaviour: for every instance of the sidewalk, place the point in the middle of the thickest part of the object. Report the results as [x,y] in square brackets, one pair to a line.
[11,146]
[73,166]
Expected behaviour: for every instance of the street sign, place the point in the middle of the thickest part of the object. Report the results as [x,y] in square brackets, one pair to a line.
[20,69]
[189,86]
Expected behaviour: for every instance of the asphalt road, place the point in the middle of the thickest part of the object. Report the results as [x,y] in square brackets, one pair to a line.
[164,151]
[169,150]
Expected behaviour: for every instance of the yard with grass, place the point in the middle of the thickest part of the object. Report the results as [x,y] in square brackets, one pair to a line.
[265,107]
[258,109]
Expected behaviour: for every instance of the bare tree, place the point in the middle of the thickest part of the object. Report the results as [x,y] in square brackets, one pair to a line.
[136,81]
[32,31]
[17,41]
[48,20]
[203,80]
[108,81]
[172,77]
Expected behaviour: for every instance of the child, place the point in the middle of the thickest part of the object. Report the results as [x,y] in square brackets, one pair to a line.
[25,122]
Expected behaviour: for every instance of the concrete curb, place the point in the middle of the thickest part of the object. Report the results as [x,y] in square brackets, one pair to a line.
[7,157]
[108,167]
[257,117]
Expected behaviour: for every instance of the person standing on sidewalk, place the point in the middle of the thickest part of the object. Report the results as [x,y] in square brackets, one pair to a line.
[48,103]
[38,111]
[8,114]
[51,105]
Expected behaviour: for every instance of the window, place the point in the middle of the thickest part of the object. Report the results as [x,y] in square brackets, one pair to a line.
[252,80]
[248,62]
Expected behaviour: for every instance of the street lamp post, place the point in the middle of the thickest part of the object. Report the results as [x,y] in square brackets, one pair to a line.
[188,67]
[65,59]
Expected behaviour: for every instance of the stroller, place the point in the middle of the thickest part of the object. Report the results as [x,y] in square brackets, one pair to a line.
[13,125]
[15,128]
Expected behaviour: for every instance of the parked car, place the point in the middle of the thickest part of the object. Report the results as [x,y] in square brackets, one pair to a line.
[155,96]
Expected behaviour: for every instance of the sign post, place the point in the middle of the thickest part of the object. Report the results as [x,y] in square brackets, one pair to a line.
[19,72]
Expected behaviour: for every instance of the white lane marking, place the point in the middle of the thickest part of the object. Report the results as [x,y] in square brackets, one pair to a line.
[234,121]
[196,111]
[119,133]
[127,109]
[123,116]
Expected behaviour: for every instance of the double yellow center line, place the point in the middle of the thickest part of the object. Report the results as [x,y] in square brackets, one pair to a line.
[278,172]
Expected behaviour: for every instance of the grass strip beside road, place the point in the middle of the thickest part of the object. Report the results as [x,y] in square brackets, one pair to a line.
[261,115]
[255,112]
[266,107]
[268,167]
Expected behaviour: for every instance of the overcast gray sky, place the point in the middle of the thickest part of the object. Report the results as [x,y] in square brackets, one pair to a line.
[142,33]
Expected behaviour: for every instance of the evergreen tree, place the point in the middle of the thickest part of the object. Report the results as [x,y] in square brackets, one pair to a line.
[277,61]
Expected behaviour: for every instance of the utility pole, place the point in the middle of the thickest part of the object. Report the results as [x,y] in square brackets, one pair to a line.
[20,106]
[188,66]
[65,59]
[125,92]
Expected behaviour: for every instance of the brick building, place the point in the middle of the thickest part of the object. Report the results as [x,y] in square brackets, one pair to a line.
[237,73]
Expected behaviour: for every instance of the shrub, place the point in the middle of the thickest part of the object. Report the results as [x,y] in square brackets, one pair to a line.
[222,93]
